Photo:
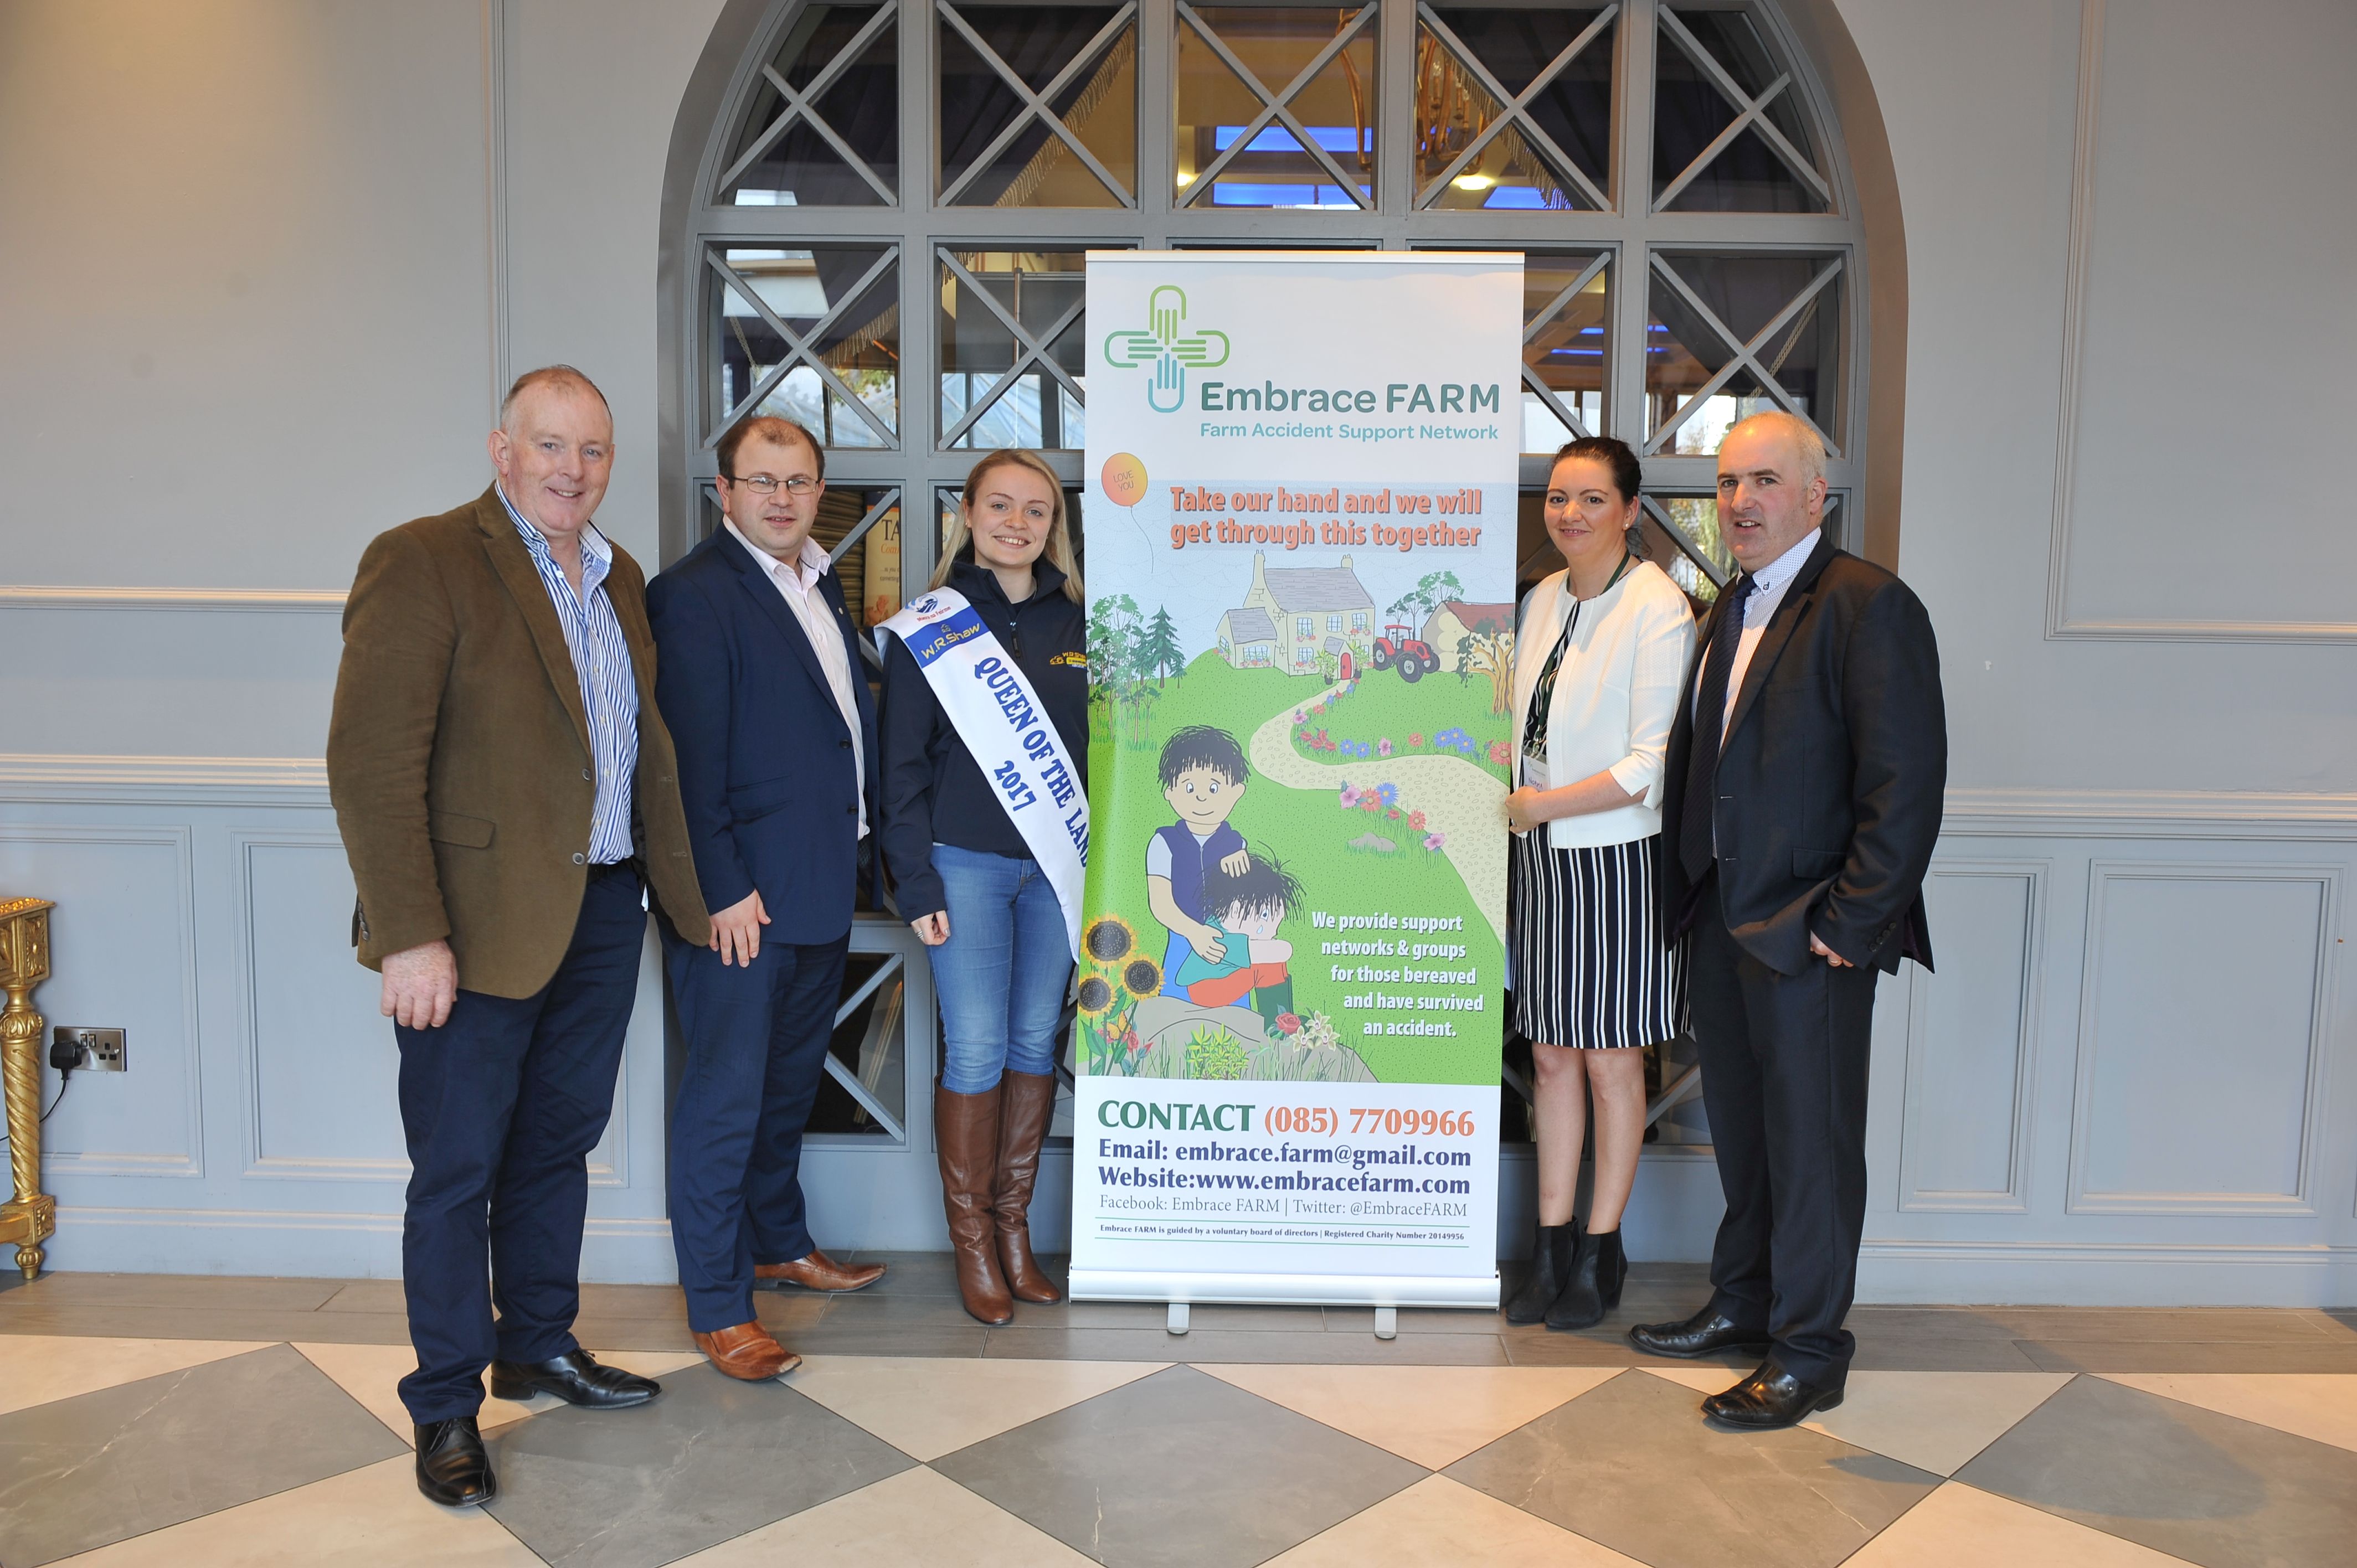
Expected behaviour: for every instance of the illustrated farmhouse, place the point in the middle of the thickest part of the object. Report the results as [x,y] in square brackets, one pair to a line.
[1294,613]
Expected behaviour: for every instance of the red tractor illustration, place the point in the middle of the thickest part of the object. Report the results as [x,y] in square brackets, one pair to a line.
[1399,649]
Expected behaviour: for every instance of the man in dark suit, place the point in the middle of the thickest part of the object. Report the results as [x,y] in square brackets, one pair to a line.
[506,793]
[762,688]
[1804,782]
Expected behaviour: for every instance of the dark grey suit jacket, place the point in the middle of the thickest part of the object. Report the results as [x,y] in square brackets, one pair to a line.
[1831,777]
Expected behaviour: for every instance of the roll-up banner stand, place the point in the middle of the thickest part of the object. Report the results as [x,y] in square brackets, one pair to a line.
[1300,550]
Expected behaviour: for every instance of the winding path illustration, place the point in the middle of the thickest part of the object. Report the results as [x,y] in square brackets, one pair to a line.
[1458,797]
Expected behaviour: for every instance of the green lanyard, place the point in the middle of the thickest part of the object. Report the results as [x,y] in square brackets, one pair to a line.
[1535,727]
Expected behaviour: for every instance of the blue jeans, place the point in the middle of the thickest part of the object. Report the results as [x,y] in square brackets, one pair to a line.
[1002,975]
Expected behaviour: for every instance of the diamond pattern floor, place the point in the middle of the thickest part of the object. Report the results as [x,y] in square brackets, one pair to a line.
[123,1452]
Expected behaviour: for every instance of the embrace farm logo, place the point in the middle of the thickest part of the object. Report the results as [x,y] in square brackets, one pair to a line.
[1168,348]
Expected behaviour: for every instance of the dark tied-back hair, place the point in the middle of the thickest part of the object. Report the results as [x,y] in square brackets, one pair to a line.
[772,428]
[1628,474]
[1262,887]
[1200,746]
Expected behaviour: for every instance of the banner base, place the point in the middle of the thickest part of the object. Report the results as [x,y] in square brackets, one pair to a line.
[1283,1290]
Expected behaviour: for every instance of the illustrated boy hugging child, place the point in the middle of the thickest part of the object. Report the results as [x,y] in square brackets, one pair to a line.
[1247,910]
[1203,775]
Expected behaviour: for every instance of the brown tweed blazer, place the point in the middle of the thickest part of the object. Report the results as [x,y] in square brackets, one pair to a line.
[458,755]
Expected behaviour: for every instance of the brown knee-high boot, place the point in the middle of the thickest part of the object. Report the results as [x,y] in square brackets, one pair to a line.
[965,1132]
[1029,1099]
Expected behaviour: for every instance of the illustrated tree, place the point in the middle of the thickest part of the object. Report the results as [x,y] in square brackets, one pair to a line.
[1158,652]
[1492,654]
[1433,590]
[1464,657]
[1120,692]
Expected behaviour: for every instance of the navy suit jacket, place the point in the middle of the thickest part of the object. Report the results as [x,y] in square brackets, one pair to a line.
[766,768]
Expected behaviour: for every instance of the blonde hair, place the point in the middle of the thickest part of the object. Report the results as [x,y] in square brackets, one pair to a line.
[957,536]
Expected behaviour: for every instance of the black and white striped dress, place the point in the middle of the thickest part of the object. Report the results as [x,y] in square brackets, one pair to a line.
[1590,968]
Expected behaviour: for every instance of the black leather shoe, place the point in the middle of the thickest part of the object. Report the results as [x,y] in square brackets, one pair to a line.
[1706,1331]
[452,1468]
[576,1379]
[1594,1287]
[1551,1256]
[1770,1398]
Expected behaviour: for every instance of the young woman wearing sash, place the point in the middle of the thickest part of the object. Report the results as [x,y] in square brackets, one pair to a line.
[1599,658]
[963,840]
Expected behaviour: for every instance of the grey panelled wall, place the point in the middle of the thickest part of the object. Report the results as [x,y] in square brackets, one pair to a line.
[2132,1078]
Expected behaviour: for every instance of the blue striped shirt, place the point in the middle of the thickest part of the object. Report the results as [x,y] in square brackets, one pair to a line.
[610,690]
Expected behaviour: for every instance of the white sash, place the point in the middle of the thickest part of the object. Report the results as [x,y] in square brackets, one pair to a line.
[1005,725]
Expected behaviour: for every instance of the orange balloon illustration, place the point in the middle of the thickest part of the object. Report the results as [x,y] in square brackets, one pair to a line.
[1124,478]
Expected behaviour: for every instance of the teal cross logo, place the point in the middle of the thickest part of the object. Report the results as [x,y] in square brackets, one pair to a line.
[1164,348]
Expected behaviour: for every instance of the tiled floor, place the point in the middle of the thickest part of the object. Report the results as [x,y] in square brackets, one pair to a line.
[175,1421]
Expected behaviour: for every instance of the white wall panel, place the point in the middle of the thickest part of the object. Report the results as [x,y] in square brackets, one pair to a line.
[1971,1032]
[2200,1047]
[123,953]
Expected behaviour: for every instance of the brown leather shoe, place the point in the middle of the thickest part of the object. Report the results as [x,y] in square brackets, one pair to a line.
[747,1351]
[965,1136]
[1029,1101]
[819,1271]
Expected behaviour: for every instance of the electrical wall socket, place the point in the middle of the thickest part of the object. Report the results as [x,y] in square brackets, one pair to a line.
[87,1050]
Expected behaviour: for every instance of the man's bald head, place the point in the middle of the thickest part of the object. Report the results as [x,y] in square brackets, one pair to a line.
[1771,486]
[555,377]
[1808,447]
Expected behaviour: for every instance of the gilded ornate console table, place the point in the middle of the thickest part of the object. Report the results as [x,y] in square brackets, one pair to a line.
[32,1217]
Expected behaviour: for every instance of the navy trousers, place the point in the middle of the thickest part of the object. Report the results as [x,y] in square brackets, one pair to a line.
[757,1040]
[502,1106]
[1783,1079]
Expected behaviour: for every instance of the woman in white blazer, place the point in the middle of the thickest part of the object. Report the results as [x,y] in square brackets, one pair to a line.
[1602,654]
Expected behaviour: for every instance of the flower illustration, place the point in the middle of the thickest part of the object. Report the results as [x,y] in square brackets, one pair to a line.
[1382,747]
[1096,995]
[1433,841]
[1109,938]
[1416,740]
[1499,753]
[1350,795]
[1288,1023]
[1389,792]
[1393,813]
[1415,821]
[1370,801]
[1141,976]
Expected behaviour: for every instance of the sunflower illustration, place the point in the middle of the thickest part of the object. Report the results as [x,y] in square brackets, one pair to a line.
[1141,976]
[1096,995]
[1109,940]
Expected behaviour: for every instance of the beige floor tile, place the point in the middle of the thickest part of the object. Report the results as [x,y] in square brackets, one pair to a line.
[38,1369]
[1963,1526]
[364,1518]
[927,1407]
[1434,1415]
[2321,1405]
[913,1517]
[1438,1521]
[1933,1420]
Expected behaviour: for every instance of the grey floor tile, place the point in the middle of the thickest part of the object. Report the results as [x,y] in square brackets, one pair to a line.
[709,1460]
[1178,1468]
[80,1473]
[1879,1352]
[367,1295]
[1913,1323]
[2320,1354]
[871,1313]
[176,1290]
[1222,1345]
[1631,1464]
[2190,1482]
[1416,1320]
[632,1333]
[837,1339]
[207,1323]
[2191,1325]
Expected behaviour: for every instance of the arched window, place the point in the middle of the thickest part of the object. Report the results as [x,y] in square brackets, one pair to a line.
[883,234]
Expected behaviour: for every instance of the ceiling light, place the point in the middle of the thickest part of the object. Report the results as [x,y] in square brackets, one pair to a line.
[1473,182]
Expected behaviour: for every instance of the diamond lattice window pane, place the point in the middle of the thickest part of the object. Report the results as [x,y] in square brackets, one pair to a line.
[844,309]
[1275,168]
[1692,110]
[1684,353]
[1094,81]
[859,102]
[1694,520]
[1573,110]
[1567,348]
[1040,290]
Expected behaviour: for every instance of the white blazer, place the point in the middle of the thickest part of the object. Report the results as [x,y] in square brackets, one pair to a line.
[1616,694]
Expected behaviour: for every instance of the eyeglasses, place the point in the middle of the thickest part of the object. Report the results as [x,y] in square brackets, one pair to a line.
[798,487]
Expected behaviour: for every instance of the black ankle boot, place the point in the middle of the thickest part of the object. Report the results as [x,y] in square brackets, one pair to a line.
[1594,1287]
[1551,1258]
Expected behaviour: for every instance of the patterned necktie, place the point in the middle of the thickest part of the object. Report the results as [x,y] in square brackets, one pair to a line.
[1695,850]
